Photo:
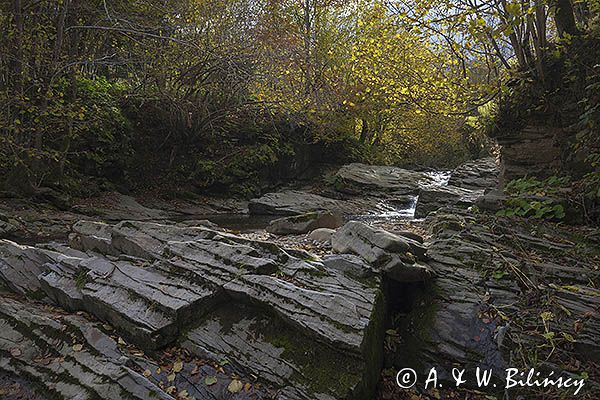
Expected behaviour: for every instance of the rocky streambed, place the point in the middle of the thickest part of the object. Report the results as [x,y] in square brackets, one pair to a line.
[342,289]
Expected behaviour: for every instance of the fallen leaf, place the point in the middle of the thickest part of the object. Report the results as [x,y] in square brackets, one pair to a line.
[15,352]
[77,347]
[171,389]
[147,373]
[171,377]
[210,380]
[158,371]
[195,371]
[235,386]
[247,387]
[178,366]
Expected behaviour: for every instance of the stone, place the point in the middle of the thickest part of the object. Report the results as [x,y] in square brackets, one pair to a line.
[476,174]
[435,198]
[148,305]
[6,228]
[361,178]
[253,341]
[493,200]
[20,266]
[61,356]
[475,296]
[117,207]
[372,244]
[322,235]
[387,253]
[533,150]
[292,202]
[155,282]
[92,236]
[300,224]
[42,347]
[410,235]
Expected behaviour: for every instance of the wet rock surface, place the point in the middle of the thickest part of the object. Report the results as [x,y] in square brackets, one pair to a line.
[305,223]
[255,316]
[47,354]
[359,178]
[477,174]
[499,290]
[435,198]
[152,282]
[398,258]
[292,202]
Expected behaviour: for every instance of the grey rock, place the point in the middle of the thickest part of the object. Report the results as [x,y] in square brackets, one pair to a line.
[492,200]
[253,341]
[387,253]
[372,244]
[360,178]
[118,207]
[322,235]
[435,198]
[292,202]
[299,224]
[92,236]
[410,235]
[153,282]
[42,346]
[477,174]
[20,266]
[349,264]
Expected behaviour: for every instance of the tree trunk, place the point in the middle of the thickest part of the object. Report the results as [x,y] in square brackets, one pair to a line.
[564,16]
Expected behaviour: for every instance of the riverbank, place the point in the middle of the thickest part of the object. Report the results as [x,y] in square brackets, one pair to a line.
[203,300]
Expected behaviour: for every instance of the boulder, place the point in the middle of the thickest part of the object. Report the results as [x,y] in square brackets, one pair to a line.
[299,224]
[435,198]
[493,200]
[322,235]
[361,178]
[292,202]
[476,174]
[389,254]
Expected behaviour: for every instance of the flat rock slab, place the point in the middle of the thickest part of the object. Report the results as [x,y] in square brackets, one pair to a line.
[51,355]
[360,178]
[487,288]
[117,207]
[253,341]
[152,282]
[299,224]
[433,199]
[293,202]
[477,174]
[42,346]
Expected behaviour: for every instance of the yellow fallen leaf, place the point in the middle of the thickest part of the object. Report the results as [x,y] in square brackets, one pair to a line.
[171,377]
[77,347]
[235,386]
[171,390]
[147,373]
[178,366]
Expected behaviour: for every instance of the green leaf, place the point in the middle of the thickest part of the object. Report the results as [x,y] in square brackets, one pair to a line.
[210,380]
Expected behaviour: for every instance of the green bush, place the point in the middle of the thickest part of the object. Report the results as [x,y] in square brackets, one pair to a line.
[532,198]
